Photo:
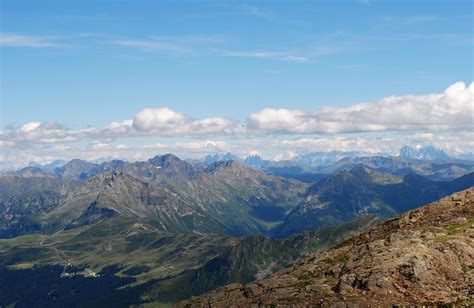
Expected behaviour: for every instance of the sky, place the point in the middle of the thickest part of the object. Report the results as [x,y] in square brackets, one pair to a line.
[131,79]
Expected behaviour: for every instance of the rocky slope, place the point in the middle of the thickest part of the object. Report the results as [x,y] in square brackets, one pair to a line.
[253,258]
[425,256]
[165,192]
[125,196]
[244,200]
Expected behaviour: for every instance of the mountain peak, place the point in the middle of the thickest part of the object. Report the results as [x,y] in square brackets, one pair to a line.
[32,171]
[164,160]
[78,168]
[76,161]
[255,161]
[360,170]
[423,153]
[209,159]
[34,164]
[223,164]
[172,167]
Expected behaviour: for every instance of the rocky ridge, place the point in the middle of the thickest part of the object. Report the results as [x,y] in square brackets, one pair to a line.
[424,256]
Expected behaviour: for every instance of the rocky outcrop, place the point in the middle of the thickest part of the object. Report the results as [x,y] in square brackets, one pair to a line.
[425,256]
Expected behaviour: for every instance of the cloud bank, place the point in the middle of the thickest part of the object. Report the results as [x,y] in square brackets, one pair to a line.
[443,119]
[452,110]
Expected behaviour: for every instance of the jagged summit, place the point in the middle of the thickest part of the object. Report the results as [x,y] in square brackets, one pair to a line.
[255,161]
[225,164]
[209,159]
[423,153]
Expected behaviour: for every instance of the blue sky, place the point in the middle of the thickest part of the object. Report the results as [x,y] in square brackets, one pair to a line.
[89,63]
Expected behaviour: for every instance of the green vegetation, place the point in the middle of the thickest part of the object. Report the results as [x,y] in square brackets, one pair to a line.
[115,241]
[454,229]
[172,266]
[339,260]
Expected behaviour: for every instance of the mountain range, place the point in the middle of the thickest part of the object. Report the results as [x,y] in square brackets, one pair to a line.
[363,191]
[164,191]
[323,159]
[165,229]
[224,197]
[429,161]
[424,153]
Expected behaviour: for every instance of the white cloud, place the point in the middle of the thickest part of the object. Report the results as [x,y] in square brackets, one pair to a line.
[278,55]
[166,122]
[180,45]
[21,40]
[451,110]
[28,127]
[152,45]
[277,120]
[296,58]
[99,146]
[150,119]
[36,132]
[147,122]
[122,127]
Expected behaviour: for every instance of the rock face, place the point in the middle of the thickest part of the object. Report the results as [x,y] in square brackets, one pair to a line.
[428,153]
[425,256]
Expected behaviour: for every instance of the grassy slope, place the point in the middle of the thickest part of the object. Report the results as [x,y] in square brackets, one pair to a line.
[173,266]
[114,242]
